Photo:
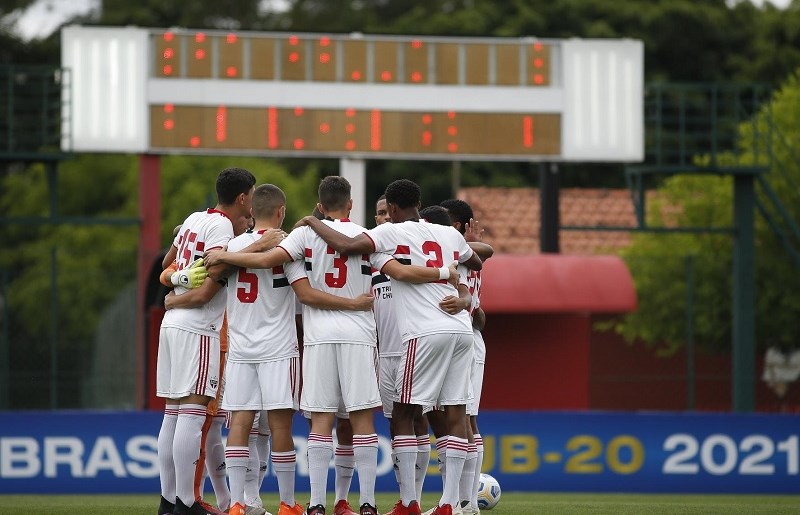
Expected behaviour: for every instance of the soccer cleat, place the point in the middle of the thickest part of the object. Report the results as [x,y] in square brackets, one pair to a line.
[165,507]
[285,509]
[237,509]
[199,507]
[468,509]
[343,508]
[411,509]
[444,509]
[316,510]
[368,509]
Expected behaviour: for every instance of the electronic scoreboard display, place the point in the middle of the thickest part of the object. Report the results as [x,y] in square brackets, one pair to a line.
[353,95]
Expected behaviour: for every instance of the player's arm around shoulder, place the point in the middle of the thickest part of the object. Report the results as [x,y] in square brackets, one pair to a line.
[418,274]
[454,305]
[319,299]
[341,243]
[193,298]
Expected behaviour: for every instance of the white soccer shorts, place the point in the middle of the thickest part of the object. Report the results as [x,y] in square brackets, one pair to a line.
[188,363]
[336,374]
[262,386]
[435,370]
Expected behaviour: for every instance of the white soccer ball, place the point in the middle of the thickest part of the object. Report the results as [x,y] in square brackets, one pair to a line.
[488,492]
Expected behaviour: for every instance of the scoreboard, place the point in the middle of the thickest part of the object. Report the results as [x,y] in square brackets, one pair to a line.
[352,95]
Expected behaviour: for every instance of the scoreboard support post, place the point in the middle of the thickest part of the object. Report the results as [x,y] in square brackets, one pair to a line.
[354,170]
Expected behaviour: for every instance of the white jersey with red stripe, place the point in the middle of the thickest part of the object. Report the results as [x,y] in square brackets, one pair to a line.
[200,232]
[474,283]
[261,306]
[389,341]
[417,305]
[342,275]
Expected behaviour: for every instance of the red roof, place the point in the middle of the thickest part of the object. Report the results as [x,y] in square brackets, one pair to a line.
[510,217]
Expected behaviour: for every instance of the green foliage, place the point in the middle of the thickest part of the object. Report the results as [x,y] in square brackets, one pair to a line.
[658,262]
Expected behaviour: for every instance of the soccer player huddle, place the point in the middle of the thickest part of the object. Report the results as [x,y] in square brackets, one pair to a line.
[390,318]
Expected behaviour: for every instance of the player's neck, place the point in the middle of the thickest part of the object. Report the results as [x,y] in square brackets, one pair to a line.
[264,225]
[405,216]
[338,215]
[228,210]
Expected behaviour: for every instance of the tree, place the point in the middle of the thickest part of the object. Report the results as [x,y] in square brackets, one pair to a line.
[658,262]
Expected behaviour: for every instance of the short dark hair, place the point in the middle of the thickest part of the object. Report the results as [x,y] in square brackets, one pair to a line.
[334,192]
[459,211]
[231,182]
[435,215]
[382,197]
[403,193]
[267,199]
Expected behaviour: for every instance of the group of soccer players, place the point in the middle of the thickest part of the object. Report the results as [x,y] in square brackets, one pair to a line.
[387,320]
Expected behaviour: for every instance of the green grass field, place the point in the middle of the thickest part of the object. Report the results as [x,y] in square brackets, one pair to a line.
[511,504]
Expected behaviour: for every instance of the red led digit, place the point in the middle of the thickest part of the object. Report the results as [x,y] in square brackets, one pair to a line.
[194,141]
[298,111]
[350,145]
[231,71]
[222,123]
[356,75]
[350,112]
[538,79]
[451,115]
[416,76]
[350,128]
[230,38]
[299,144]
[386,76]
[537,47]
[169,124]
[200,37]
[324,41]
[293,40]
[527,131]
[416,44]
[426,138]
[168,108]
[452,130]
[167,69]
[452,147]
[538,62]
[324,128]
[272,127]
[324,58]
[294,57]
[199,54]
[168,53]
[427,119]
[375,130]
[168,36]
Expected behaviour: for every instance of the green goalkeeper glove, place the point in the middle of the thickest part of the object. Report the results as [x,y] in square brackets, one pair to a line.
[192,276]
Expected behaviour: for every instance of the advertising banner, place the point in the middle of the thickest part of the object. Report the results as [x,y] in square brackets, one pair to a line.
[86,452]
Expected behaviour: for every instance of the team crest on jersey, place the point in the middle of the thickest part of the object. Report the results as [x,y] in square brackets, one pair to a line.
[213,382]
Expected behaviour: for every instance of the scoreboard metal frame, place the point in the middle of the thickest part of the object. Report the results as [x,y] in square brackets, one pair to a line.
[353,95]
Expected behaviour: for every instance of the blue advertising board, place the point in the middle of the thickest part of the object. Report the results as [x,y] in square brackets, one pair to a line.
[86,452]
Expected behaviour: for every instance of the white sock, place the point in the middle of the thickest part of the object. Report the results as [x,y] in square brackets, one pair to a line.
[478,466]
[263,444]
[320,452]
[395,466]
[166,462]
[344,462]
[215,461]
[251,485]
[423,459]
[284,465]
[186,449]
[405,447]
[365,448]
[236,459]
[441,451]
[468,474]
[456,456]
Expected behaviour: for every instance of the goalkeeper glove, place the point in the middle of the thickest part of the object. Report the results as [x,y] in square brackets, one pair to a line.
[191,276]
